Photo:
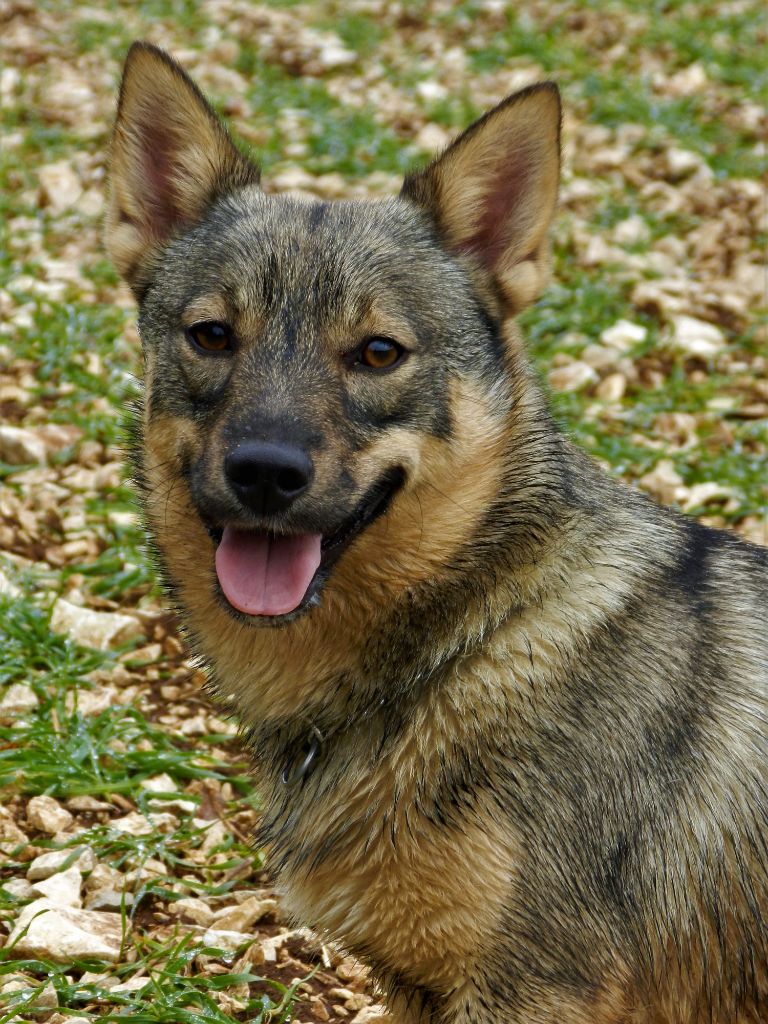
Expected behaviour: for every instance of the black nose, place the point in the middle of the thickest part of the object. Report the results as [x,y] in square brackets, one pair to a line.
[268,477]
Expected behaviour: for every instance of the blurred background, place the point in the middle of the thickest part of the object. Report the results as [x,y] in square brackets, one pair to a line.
[652,340]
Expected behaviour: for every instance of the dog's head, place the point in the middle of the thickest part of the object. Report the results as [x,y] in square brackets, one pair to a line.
[327,384]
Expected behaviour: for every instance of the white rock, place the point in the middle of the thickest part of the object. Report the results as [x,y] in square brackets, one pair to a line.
[11,835]
[704,493]
[10,590]
[216,834]
[104,877]
[129,985]
[688,81]
[373,1014]
[19,887]
[192,909]
[19,446]
[92,702]
[165,784]
[89,628]
[682,162]
[572,377]
[612,387]
[36,1005]
[336,55]
[47,815]
[136,824]
[19,697]
[697,337]
[62,889]
[432,137]
[599,357]
[64,933]
[632,230]
[623,334]
[271,945]
[663,482]
[48,864]
[431,91]
[242,917]
[224,940]
[87,803]
[60,186]
[108,899]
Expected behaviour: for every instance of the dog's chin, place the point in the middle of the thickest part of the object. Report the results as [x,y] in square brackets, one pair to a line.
[333,544]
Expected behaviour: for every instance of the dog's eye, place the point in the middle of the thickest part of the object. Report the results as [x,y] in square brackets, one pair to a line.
[379,353]
[210,336]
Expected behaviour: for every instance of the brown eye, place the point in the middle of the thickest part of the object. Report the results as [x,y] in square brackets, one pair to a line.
[210,336]
[380,353]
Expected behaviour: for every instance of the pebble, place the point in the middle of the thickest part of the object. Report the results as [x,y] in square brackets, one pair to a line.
[66,933]
[60,186]
[62,889]
[612,387]
[623,335]
[48,864]
[89,628]
[19,697]
[572,377]
[19,446]
[47,815]
[697,337]
[242,917]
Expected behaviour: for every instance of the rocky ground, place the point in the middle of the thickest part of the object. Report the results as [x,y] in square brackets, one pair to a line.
[129,882]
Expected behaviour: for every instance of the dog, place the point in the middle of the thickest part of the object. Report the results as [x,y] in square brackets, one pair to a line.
[508,717]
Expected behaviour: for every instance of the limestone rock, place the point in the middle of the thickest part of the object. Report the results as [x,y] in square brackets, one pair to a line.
[19,446]
[18,698]
[373,1014]
[241,918]
[62,889]
[192,909]
[48,864]
[697,337]
[623,335]
[65,933]
[47,815]
[60,186]
[102,630]
[572,377]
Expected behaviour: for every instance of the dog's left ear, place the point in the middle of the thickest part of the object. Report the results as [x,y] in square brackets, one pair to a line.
[492,193]
[171,158]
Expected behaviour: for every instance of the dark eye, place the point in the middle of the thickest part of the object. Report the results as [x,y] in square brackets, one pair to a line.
[379,353]
[210,336]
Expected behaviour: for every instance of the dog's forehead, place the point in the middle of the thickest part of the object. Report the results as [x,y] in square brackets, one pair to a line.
[297,243]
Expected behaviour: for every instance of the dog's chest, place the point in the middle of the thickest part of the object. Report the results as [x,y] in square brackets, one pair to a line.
[416,899]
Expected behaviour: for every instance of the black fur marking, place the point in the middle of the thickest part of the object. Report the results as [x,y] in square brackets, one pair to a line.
[690,575]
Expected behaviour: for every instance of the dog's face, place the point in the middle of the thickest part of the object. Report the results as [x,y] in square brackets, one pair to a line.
[317,373]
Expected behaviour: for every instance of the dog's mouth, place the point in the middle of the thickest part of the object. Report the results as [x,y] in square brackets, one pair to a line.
[276,577]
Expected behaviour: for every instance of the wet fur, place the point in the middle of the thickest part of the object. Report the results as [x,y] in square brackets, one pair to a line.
[541,792]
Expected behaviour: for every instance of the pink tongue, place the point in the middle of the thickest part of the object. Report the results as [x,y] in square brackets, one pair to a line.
[262,574]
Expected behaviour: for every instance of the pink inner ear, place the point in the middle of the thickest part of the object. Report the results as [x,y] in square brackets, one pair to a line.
[160,167]
[505,184]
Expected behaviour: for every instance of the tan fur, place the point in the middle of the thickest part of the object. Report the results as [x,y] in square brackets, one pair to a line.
[206,307]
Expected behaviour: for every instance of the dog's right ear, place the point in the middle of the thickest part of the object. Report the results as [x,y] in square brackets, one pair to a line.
[171,157]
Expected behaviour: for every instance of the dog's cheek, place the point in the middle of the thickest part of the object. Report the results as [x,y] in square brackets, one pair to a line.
[170,444]
[450,484]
